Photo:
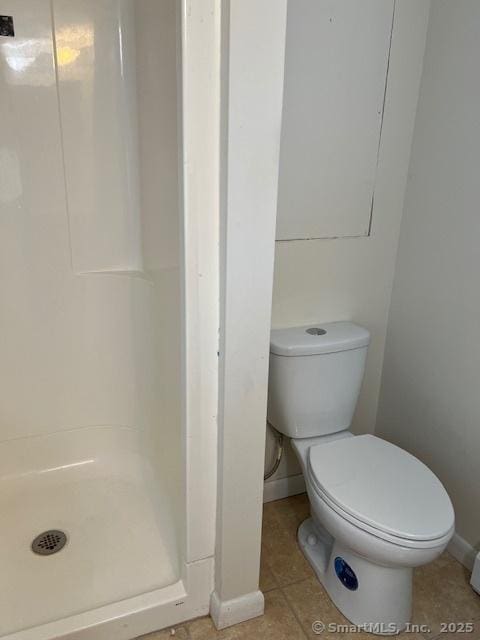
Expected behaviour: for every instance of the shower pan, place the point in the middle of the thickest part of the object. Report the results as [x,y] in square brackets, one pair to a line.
[96,536]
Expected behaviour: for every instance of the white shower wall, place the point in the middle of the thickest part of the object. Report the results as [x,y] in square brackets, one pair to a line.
[90,321]
[95,45]
[91,303]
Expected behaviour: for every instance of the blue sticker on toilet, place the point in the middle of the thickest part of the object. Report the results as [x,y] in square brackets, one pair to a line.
[346,574]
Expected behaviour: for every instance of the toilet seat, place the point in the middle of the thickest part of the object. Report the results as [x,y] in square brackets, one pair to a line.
[381,489]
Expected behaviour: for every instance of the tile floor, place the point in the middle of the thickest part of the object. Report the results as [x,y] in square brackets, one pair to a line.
[294,599]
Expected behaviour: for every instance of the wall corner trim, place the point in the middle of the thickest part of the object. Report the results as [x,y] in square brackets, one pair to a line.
[229,612]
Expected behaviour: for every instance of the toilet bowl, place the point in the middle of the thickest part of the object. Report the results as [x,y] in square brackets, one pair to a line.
[376,511]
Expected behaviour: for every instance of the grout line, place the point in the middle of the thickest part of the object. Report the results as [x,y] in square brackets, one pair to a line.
[294,613]
[271,589]
[290,584]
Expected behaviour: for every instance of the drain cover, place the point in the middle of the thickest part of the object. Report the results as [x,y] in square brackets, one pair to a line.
[49,542]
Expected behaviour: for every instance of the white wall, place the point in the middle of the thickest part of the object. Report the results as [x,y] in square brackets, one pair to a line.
[351,278]
[430,400]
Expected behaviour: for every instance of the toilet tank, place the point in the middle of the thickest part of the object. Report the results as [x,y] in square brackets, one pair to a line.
[315,377]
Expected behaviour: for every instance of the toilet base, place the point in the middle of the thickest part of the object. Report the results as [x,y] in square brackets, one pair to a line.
[377,598]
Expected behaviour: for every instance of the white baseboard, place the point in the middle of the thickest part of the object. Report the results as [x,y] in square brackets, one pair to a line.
[462,551]
[283,488]
[475,580]
[228,612]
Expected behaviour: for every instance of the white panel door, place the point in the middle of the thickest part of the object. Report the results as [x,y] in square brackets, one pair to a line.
[335,79]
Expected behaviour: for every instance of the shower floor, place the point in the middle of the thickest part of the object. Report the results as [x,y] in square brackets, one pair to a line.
[94,485]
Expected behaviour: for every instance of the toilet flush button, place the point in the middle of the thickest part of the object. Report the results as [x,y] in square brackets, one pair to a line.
[312,540]
[316,331]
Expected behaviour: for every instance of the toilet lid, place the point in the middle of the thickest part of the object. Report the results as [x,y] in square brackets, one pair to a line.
[381,486]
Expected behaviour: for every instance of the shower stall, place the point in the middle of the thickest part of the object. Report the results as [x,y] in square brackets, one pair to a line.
[107,453]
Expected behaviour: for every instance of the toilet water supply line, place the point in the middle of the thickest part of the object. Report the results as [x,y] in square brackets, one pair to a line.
[279,440]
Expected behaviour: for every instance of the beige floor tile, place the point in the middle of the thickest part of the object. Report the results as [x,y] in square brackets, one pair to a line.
[442,593]
[177,633]
[278,623]
[280,551]
[311,605]
[286,514]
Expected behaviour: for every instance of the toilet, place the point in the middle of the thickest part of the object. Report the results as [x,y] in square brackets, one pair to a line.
[376,511]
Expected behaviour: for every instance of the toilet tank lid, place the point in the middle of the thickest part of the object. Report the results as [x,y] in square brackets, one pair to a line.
[314,339]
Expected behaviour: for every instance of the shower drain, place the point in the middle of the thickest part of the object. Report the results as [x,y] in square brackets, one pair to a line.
[49,542]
